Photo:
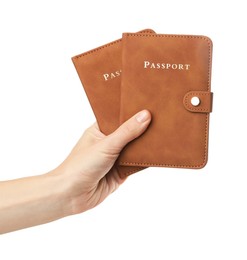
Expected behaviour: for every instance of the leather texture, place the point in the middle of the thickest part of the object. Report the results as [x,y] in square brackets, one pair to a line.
[100,73]
[162,73]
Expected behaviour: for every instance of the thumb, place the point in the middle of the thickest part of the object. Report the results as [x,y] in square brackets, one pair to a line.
[129,130]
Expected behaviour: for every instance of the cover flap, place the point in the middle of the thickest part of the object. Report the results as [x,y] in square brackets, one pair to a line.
[158,71]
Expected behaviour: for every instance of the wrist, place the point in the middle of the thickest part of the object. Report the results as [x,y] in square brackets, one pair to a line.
[61,191]
[76,194]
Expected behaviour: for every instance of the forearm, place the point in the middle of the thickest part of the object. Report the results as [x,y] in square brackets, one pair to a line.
[32,201]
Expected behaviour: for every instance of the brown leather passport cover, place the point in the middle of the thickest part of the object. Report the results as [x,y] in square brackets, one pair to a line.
[170,76]
[100,73]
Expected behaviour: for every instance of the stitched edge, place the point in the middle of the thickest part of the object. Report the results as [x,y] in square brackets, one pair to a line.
[208,88]
[170,36]
[105,46]
[163,165]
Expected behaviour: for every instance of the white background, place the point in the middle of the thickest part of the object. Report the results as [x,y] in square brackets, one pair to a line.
[159,213]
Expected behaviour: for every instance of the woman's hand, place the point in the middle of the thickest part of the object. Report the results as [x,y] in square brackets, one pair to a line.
[85,178]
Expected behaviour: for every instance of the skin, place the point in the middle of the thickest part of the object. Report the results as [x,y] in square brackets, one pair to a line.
[82,181]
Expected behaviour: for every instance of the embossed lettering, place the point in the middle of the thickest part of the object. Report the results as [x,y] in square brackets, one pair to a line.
[146,64]
[187,66]
[106,76]
[112,75]
[165,66]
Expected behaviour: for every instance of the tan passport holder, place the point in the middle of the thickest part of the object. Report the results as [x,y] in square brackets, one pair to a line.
[100,73]
[170,76]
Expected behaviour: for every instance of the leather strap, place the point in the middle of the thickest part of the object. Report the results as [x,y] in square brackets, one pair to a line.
[204,98]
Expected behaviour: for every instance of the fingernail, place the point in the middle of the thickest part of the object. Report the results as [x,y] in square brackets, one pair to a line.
[142,116]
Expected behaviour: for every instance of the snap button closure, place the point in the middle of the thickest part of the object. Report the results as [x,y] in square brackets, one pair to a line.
[195,101]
